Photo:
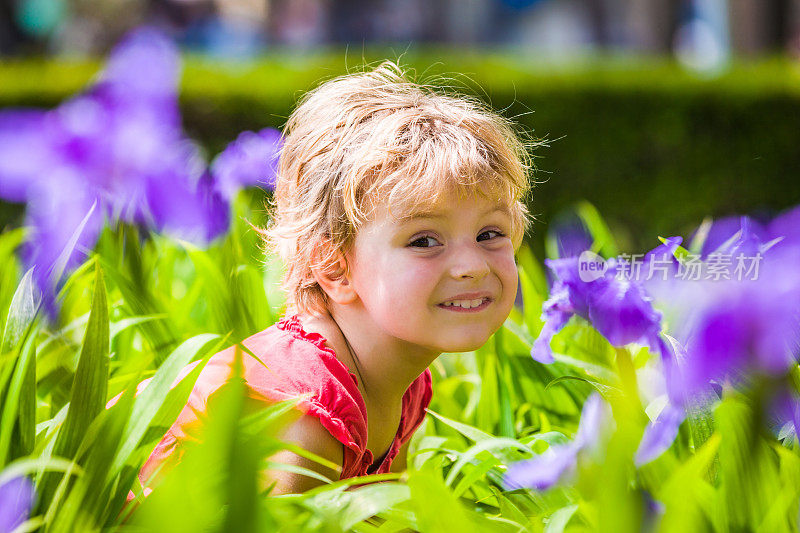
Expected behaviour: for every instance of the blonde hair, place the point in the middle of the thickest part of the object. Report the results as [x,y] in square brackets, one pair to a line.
[376,138]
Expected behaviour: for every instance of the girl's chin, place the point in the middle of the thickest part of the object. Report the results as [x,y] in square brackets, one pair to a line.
[465,344]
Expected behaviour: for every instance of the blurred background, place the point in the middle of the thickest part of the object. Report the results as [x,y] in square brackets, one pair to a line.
[552,27]
[659,112]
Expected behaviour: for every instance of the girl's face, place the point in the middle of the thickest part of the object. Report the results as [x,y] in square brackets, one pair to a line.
[444,282]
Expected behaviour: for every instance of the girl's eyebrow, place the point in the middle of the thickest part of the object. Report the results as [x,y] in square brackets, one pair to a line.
[433,214]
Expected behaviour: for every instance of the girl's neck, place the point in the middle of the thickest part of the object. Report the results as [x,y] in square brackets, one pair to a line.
[385,367]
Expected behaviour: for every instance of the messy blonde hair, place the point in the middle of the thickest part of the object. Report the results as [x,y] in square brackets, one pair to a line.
[375,138]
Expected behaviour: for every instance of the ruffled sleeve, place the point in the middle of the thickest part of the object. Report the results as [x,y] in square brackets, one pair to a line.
[298,364]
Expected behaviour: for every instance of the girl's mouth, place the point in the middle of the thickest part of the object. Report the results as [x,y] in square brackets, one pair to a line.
[466,306]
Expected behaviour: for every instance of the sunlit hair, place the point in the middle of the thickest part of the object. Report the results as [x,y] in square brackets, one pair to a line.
[374,139]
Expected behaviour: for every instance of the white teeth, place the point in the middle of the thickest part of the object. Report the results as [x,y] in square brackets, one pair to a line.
[466,304]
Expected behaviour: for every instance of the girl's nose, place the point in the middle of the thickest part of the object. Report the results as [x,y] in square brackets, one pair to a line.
[469,262]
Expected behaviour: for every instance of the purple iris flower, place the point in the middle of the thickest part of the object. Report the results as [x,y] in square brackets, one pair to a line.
[17,496]
[119,146]
[250,160]
[737,327]
[742,330]
[559,461]
[729,330]
[618,308]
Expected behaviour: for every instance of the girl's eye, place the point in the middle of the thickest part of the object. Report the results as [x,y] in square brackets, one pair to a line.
[426,241]
[492,234]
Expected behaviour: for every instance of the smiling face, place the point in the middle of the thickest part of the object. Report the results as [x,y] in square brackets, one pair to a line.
[443,282]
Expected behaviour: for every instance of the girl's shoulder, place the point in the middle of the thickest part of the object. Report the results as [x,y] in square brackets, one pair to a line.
[288,362]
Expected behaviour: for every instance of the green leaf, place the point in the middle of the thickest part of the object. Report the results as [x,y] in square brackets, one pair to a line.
[437,509]
[559,520]
[119,326]
[215,482]
[701,421]
[21,313]
[687,496]
[89,386]
[364,502]
[700,236]
[598,371]
[533,283]
[782,513]
[607,391]
[90,494]
[506,422]
[88,397]
[604,242]
[27,466]
[475,474]
[680,253]
[499,443]
[748,467]
[63,258]
[17,430]
[18,380]
[468,431]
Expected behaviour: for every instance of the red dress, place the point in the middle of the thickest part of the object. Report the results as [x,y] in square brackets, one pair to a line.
[296,363]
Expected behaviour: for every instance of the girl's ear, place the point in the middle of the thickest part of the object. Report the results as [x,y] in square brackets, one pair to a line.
[335,281]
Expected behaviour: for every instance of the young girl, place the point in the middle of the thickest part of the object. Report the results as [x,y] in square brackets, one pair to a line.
[398,214]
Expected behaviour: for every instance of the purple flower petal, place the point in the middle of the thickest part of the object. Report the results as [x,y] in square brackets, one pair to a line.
[250,160]
[557,462]
[730,232]
[544,471]
[556,313]
[786,225]
[749,239]
[745,332]
[571,236]
[145,65]
[186,208]
[16,501]
[23,152]
[659,434]
[621,311]
[660,263]
[594,417]
[53,218]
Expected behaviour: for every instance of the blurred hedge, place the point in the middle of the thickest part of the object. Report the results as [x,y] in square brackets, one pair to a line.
[653,147]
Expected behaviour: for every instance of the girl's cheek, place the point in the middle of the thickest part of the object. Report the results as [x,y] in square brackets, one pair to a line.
[506,259]
[411,273]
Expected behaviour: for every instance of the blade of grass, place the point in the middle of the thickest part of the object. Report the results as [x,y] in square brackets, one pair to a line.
[19,393]
[17,432]
[89,386]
